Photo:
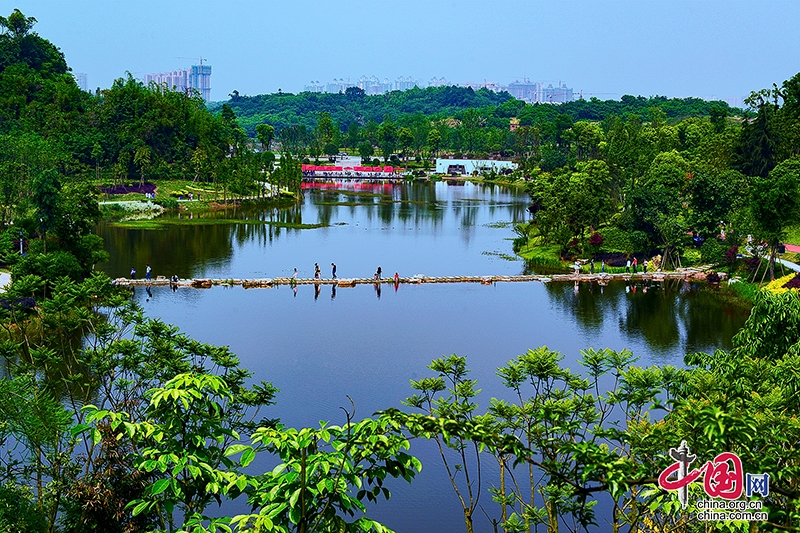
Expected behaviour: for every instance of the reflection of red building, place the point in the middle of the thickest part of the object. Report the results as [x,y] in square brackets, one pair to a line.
[356,172]
[349,185]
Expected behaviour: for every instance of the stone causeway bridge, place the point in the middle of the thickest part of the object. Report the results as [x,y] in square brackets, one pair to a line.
[266,283]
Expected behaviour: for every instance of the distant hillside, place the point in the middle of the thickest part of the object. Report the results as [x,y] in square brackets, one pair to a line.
[283,110]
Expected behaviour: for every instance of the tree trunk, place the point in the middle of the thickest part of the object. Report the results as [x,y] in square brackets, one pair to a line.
[773,250]
[552,516]
[468,521]
[504,511]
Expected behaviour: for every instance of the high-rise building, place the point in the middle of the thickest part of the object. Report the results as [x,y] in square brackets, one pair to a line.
[373,85]
[525,90]
[198,77]
[82,80]
[338,86]
[403,84]
[556,95]
[314,87]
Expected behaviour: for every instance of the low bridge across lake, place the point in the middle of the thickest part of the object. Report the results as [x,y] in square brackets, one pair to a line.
[253,283]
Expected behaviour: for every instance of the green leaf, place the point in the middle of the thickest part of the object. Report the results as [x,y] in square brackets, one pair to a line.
[141,507]
[159,486]
[235,448]
[247,457]
[294,497]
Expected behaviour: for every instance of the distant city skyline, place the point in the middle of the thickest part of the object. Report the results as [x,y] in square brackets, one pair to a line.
[524,89]
[196,77]
[679,48]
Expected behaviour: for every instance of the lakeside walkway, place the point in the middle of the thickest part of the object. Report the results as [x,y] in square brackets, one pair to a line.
[265,283]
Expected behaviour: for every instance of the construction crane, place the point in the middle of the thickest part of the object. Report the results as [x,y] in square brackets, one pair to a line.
[193,58]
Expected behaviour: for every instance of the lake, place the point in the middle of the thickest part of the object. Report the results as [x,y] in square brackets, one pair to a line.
[320,346]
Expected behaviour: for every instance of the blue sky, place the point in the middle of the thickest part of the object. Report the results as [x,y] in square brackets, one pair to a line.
[708,49]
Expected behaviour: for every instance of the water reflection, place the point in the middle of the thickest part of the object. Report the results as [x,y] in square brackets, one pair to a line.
[430,228]
[319,354]
[670,316]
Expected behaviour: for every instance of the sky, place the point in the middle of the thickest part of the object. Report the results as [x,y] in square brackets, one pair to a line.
[606,48]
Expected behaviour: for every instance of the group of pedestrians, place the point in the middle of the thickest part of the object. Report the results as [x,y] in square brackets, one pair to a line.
[635,265]
[631,266]
[148,272]
[318,273]
[602,266]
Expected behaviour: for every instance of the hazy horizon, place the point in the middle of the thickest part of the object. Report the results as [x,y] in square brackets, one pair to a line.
[708,50]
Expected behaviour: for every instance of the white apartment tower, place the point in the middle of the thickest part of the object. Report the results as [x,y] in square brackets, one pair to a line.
[197,77]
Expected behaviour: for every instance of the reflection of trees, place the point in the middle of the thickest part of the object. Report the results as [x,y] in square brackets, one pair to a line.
[588,306]
[653,315]
[181,250]
[710,320]
[185,250]
[665,316]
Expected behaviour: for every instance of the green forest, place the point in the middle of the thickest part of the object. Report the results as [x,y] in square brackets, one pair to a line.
[284,110]
[112,421]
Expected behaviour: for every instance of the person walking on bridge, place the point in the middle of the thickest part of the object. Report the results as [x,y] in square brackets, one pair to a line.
[333,270]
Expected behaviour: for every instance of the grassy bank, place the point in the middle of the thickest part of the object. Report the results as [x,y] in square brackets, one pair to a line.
[164,223]
[173,195]
[544,255]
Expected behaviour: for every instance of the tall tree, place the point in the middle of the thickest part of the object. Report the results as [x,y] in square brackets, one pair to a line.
[45,189]
[755,153]
[387,136]
[265,133]
[775,205]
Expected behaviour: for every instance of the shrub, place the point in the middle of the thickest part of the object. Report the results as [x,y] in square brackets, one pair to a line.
[731,255]
[691,257]
[18,510]
[50,266]
[169,203]
[616,240]
[745,291]
[712,251]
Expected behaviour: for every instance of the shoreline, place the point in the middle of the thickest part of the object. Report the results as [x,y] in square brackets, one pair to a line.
[695,274]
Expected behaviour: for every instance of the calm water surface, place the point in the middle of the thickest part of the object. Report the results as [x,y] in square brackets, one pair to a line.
[320,346]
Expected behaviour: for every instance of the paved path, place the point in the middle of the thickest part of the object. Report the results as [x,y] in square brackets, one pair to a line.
[252,283]
[788,264]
